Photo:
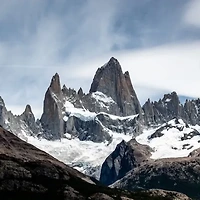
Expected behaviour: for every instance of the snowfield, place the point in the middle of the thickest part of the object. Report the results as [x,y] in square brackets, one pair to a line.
[85,156]
[171,144]
[88,156]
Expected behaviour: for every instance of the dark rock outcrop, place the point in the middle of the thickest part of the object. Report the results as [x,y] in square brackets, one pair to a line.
[169,107]
[87,130]
[162,111]
[111,81]
[52,117]
[163,194]
[28,117]
[175,174]
[100,127]
[29,173]
[192,111]
[125,157]
[2,112]
[19,124]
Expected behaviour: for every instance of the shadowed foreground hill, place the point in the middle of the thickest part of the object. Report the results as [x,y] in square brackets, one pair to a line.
[27,172]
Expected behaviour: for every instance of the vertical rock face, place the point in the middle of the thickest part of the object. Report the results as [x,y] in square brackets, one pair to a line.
[18,124]
[28,117]
[169,107]
[192,111]
[87,130]
[52,118]
[111,81]
[125,157]
[161,111]
[2,112]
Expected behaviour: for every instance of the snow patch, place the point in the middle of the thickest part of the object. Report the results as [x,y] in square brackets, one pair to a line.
[102,99]
[83,114]
[83,155]
[170,144]
[168,100]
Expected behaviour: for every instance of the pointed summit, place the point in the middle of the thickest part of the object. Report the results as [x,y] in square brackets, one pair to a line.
[2,102]
[51,119]
[28,109]
[113,62]
[2,111]
[111,81]
[55,84]
[28,117]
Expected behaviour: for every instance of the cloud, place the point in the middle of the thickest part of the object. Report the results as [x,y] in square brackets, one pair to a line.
[192,14]
[74,38]
[155,70]
[52,38]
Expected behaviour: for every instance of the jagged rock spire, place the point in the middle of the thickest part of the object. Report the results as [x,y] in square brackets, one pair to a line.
[28,109]
[2,111]
[111,81]
[55,84]
[52,119]
[28,117]
[80,92]
[165,109]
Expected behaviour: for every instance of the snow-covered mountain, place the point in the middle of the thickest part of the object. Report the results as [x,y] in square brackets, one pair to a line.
[82,130]
[172,139]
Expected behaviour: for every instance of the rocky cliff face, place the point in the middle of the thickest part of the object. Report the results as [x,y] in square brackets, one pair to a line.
[2,112]
[111,81]
[169,107]
[87,130]
[164,110]
[28,117]
[111,92]
[176,174]
[52,117]
[125,157]
[21,125]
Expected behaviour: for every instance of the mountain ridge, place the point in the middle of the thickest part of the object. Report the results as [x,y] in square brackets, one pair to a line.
[111,92]
[29,173]
[109,113]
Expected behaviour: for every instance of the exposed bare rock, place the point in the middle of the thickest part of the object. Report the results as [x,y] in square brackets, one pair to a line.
[2,112]
[192,111]
[52,117]
[169,107]
[55,86]
[164,110]
[100,196]
[29,173]
[195,153]
[111,81]
[167,194]
[28,117]
[125,157]
[87,130]
[174,174]
[19,124]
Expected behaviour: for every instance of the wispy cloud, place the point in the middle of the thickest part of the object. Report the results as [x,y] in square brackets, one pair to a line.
[192,14]
[150,38]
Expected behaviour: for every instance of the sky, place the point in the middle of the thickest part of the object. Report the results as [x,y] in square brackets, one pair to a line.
[157,41]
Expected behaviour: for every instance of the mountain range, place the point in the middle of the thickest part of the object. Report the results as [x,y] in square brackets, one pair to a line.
[109,135]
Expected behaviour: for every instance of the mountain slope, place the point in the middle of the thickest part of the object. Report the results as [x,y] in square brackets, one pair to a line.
[125,157]
[29,173]
[177,174]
